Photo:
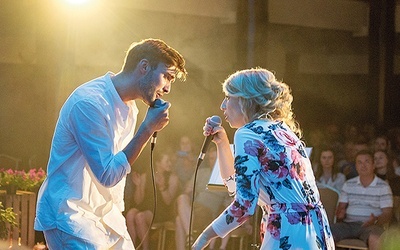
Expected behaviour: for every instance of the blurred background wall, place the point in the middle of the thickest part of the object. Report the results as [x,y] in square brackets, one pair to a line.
[341,58]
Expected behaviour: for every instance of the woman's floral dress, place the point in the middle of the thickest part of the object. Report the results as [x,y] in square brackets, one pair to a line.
[273,171]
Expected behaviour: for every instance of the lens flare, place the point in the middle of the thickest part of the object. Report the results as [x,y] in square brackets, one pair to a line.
[76,2]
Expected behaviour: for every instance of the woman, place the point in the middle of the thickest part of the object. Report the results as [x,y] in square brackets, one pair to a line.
[184,162]
[381,142]
[139,218]
[383,167]
[271,167]
[384,170]
[327,174]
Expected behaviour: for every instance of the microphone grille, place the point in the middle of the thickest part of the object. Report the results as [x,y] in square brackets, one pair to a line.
[158,103]
[215,121]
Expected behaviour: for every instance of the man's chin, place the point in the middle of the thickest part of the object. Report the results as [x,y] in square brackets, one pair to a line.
[147,102]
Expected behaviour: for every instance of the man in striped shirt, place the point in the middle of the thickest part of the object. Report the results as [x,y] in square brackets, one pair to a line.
[365,204]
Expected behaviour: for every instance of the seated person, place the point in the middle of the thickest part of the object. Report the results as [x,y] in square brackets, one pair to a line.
[365,204]
[138,219]
[327,174]
[207,204]
[384,170]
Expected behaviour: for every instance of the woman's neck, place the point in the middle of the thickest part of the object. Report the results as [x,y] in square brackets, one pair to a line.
[327,171]
[381,171]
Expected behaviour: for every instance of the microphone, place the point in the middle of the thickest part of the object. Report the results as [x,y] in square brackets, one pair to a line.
[214,122]
[157,103]
[153,140]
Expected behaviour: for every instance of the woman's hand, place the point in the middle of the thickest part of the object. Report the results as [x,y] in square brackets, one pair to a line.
[201,242]
[204,238]
[224,152]
[210,128]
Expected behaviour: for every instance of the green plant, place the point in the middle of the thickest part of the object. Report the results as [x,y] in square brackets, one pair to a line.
[36,177]
[7,216]
[12,177]
[22,180]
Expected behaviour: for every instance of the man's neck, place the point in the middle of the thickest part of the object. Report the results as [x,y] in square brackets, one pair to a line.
[124,86]
[366,180]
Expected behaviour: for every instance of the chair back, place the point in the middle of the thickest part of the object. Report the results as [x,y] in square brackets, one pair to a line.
[329,198]
[8,161]
[352,244]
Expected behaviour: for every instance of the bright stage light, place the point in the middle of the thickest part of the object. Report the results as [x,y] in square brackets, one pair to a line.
[76,2]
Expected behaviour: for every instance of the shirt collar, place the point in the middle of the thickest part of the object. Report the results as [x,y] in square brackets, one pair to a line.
[117,99]
[373,183]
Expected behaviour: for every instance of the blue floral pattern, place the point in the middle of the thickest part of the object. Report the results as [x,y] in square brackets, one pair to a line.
[273,171]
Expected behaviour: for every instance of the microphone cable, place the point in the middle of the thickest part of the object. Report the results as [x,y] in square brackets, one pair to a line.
[199,161]
[153,181]
[214,121]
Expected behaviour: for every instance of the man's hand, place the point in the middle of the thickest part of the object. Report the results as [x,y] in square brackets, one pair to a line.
[371,221]
[157,116]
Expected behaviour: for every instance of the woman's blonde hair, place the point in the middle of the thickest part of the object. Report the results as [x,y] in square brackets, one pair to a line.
[261,95]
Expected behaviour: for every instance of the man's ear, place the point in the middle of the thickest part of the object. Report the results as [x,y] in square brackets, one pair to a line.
[144,66]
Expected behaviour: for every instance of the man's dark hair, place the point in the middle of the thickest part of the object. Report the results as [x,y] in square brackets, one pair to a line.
[155,51]
[365,152]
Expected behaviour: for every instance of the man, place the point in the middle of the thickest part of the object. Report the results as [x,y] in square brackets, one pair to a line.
[365,204]
[94,145]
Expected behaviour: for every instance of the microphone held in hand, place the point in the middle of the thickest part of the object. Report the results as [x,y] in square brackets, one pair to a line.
[157,103]
[214,121]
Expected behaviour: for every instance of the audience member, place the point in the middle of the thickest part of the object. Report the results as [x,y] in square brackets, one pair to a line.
[139,219]
[368,131]
[207,204]
[133,203]
[185,162]
[315,138]
[384,170]
[381,142]
[347,153]
[351,132]
[365,204]
[327,174]
[396,164]
[394,135]
[334,139]
[383,167]
[348,167]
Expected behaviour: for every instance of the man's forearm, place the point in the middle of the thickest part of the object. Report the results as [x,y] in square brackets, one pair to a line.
[137,144]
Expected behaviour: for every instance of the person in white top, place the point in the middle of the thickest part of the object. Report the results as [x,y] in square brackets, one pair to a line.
[365,204]
[327,174]
[80,203]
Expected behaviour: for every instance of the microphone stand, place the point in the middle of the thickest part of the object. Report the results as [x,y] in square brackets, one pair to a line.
[256,230]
